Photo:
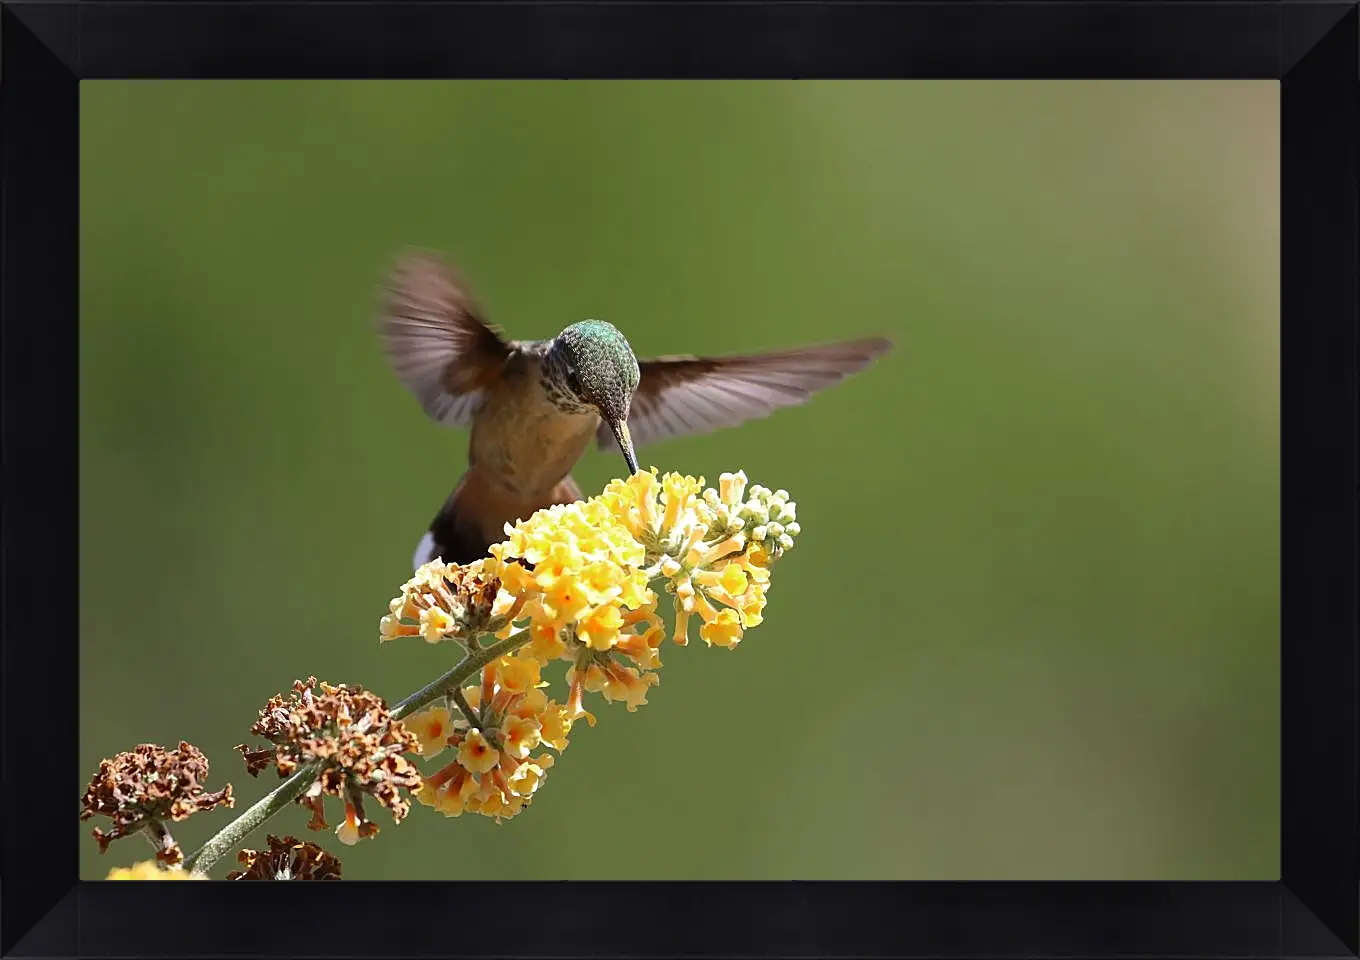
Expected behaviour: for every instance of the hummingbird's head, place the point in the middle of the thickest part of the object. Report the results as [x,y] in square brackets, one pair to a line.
[592,362]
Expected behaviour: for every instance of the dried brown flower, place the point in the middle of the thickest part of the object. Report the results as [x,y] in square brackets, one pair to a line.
[287,858]
[445,601]
[352,735]
[140,788]
[475,592]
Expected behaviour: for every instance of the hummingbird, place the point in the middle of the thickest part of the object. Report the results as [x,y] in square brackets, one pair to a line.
[535,406]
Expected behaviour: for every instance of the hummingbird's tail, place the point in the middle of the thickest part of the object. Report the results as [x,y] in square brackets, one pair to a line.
[475,514]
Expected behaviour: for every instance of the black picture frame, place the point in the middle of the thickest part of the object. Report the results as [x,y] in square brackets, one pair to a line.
[46,48]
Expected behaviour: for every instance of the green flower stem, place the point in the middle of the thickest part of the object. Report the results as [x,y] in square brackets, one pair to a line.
[473,718]
[455,678]
[264,808]
[295,786]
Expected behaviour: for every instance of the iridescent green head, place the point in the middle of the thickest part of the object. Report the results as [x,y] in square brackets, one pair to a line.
[592,363]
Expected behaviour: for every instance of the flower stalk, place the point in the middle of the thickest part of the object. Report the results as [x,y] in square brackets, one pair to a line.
[233,833]
[158,835]
[456,677]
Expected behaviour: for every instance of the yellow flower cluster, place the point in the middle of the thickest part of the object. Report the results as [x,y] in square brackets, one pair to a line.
[494,729]
[577,578]
[712,548]
[586,599]
[150,870]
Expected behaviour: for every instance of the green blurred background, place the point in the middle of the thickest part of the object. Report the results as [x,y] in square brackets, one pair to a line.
[1030,629]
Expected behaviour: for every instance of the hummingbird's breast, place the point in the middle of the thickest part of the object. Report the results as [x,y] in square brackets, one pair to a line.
[521,437]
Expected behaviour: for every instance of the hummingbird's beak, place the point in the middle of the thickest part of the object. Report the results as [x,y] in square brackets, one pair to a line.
[620,428]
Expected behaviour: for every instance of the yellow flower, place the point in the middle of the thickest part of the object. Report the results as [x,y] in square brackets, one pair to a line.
[627,684]
[429,792]
[348,832]
[432,728]
[521,735]
[679,495]
[752,607]
[731,486]
[435,624]
[546,644]
[148,870]
[448,790]
[576,680]
[453,801]
[553,729]
[681,635]
[551,717]
[526,779]
[724,630]
[592,675]
[492,802]
[565,599]
[643,648]
[602,581]
[517,674]
[475,754]
[391,627]
[732,580]
[600,628]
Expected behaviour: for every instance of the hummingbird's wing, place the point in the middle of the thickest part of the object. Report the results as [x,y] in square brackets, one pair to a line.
[677,396]
[435,339]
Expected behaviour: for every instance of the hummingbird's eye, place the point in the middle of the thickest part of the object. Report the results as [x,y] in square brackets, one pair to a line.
[573,381]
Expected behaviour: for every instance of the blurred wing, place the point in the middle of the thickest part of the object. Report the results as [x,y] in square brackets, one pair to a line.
[435,339]
[678,396]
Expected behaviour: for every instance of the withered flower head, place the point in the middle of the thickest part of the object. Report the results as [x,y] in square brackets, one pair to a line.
[445,601]
[287,859]
[139,788]
[351,733]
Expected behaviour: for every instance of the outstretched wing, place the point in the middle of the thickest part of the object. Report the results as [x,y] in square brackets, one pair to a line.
[435,339]
[678,396]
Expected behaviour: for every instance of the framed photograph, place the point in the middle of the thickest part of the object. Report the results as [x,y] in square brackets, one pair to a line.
[820,479]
